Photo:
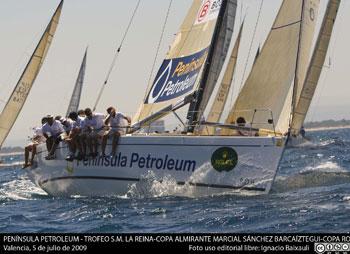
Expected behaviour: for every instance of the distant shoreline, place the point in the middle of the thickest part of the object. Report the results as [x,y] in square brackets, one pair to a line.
[10,153]
[13,151]
[327,128]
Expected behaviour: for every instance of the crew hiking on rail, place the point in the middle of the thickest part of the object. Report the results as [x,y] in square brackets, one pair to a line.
[82,131]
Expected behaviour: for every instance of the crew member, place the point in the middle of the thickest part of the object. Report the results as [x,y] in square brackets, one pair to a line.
[37,139]
[92,131]
[118,123]
[54,133]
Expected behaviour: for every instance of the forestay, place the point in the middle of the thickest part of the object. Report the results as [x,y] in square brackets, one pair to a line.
[25,83]
[181,70]
[316,65]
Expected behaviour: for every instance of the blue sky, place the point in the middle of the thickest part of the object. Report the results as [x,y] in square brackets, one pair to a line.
[101,24]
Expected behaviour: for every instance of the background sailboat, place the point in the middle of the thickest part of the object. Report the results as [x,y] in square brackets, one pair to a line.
[315,67]
[21,91]
[75,99]
[265,99]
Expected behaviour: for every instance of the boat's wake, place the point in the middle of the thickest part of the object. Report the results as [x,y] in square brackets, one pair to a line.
[149,187]
[20,189]
[325,174]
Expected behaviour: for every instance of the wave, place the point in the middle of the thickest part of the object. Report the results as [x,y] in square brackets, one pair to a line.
[20,189]
[310,179]
[13,165]
[327,166]
[149,187]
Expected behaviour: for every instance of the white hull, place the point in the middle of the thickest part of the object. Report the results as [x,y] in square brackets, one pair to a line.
[186,160]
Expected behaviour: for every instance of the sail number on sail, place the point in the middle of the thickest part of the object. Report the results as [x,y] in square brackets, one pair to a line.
[209,10]
[21,92]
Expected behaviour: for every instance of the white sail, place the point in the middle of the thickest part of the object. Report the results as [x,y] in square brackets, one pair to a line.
[180,72]
[75,99]
[308,24]
[264,94]
[224,88]
[315,68]
[20,93]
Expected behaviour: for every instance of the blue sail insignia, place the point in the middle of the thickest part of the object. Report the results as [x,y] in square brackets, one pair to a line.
[176,77]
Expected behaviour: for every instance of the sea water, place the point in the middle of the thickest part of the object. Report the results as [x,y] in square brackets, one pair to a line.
[311,194]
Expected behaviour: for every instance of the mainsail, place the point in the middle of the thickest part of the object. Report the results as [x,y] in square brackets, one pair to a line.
[75,99]
[224,88]
[20,93]
[182,68]
[263,96]
[315,68]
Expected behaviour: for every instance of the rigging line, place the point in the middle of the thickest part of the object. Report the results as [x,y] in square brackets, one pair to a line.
[159,43]
[117,54]
[158,49]
[251,43]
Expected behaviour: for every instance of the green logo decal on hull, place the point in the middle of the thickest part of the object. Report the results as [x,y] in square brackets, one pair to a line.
[224,159]
[70,167]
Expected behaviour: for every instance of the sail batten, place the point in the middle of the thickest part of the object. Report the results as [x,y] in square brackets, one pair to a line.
[21,91]
[76,95]
[315,68]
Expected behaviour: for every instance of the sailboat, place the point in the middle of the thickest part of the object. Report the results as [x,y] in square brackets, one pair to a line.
[75,98]
[21,91]
[205,163]
[309,85]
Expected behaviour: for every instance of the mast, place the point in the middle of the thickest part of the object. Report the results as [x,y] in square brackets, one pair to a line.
[75,99]
[193,114]
[21,91]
